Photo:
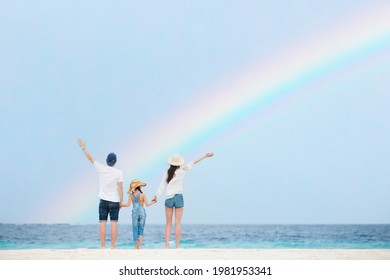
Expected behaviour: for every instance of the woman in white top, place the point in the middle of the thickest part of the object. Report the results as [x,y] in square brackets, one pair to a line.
[172,184]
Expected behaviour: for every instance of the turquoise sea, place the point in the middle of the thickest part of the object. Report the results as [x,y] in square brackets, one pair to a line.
[66,236]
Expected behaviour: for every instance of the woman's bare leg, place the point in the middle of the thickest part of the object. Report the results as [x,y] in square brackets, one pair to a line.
[178,216]
[168,226]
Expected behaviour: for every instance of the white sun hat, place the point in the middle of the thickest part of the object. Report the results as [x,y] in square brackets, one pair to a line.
[176,160]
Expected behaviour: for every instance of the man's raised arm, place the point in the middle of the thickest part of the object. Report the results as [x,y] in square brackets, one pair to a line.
[86,153]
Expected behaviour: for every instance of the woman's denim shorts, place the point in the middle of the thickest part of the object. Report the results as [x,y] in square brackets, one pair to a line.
[175,202]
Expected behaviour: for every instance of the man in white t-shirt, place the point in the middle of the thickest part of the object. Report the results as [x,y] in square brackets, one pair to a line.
[110,193]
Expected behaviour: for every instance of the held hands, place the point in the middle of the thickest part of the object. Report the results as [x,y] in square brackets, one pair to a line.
[153,201]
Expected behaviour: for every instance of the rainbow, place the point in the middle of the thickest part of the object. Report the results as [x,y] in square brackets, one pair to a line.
[252,94]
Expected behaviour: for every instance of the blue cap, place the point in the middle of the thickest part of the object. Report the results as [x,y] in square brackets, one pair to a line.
[111,159]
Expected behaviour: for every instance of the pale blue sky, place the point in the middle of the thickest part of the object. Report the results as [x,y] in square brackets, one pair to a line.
[106,71]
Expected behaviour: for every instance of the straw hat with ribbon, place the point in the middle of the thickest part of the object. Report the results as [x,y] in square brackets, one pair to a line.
[135,184]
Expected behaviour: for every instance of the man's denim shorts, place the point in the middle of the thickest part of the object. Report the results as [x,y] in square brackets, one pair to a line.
[108,207]
[175,202]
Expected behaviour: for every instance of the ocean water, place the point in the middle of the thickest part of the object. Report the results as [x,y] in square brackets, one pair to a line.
[66,236]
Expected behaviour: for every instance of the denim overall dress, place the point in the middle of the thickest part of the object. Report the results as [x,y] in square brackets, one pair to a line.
[139,218]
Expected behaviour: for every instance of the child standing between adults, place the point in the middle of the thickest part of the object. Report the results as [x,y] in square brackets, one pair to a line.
[138,198]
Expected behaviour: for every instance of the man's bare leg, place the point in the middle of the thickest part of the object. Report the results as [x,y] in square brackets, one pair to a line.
[114,233]
[102,234]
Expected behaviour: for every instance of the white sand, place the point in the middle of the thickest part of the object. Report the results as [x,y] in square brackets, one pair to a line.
[195,254]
